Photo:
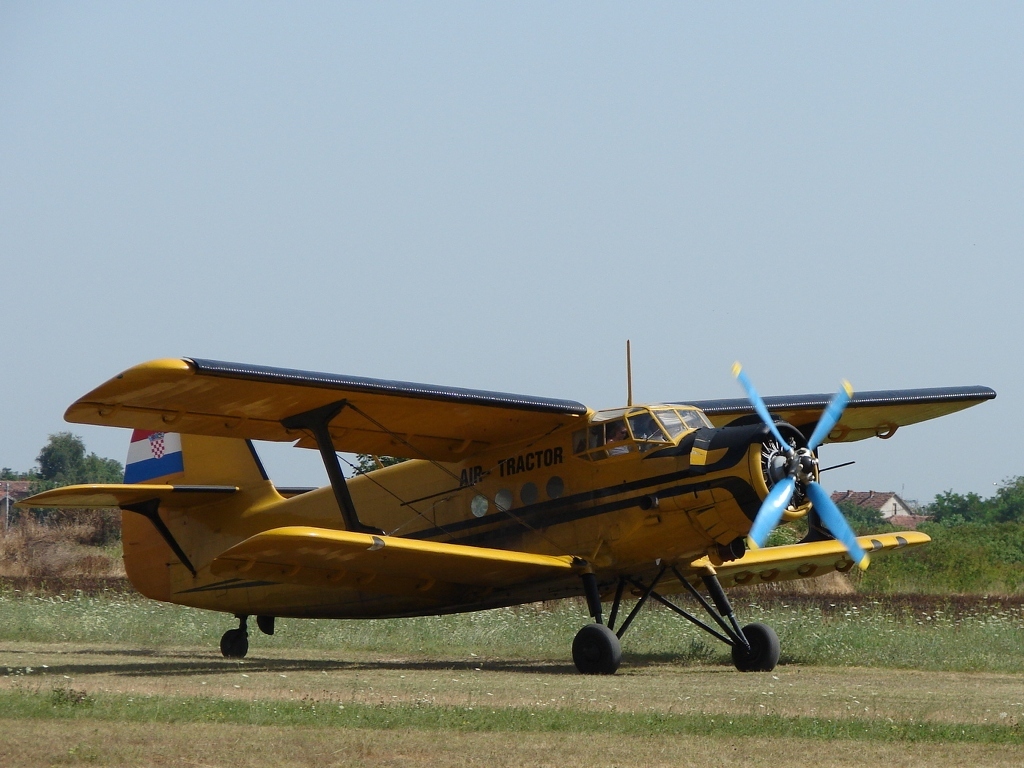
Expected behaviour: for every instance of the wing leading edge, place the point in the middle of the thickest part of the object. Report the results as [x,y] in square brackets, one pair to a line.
[394,418]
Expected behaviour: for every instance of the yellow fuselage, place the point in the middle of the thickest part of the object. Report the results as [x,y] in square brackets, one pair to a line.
[622,514]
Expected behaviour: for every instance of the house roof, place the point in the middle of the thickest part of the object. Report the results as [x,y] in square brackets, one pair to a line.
[18,489]
[869,499]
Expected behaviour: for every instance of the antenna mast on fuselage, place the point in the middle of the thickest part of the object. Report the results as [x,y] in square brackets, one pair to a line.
[629,377]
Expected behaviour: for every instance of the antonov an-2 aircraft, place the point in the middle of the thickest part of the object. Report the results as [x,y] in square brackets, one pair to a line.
[507,499]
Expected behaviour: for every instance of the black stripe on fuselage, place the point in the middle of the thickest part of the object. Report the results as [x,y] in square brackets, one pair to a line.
[228,584]
[744,494]
[580,505]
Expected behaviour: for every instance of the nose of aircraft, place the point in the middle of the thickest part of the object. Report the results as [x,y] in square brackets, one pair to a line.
[801,465]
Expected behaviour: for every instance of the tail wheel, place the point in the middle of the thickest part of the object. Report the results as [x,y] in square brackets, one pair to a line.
[763,653]
[596,650]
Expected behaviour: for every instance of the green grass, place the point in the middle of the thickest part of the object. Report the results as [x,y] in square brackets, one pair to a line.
[850,631]
[64,703]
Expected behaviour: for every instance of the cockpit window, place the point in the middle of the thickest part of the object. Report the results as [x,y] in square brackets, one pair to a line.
[645,427]
[606,432]
[627,430]
[672,422]
[694,419]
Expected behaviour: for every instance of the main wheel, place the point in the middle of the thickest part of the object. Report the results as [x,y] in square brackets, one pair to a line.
[234,644]
[764,651]
[596,650]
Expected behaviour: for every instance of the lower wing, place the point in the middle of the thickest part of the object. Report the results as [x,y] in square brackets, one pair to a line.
[797,561]
[389,564]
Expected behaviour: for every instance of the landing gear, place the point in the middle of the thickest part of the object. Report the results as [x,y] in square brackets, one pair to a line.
[762,652]
[596,650]
[235,642]
[266,624]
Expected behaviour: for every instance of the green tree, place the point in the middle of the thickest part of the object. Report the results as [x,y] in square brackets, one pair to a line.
[1008,504]
[96,469]
[6,473]
[863,520]
[949,507]
[63,461]
[62,458]
[366,462]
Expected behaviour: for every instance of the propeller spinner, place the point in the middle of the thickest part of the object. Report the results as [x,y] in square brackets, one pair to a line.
[799,466]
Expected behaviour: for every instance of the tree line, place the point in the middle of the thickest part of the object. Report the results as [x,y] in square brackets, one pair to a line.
[63,461]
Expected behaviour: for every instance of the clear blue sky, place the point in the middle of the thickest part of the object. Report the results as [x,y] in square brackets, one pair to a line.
[498,195]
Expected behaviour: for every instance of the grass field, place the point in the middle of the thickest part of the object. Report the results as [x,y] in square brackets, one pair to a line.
[890,632]
[110,679]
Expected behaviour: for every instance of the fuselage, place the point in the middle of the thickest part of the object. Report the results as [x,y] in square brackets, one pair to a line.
[622,504]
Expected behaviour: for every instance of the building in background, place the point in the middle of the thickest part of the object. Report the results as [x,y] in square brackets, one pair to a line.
[893,509]
[12,491]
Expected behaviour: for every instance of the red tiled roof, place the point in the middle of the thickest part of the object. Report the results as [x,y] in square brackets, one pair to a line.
[870,499]
[19,489]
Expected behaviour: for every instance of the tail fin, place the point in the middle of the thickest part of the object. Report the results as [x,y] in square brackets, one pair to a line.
[170,457]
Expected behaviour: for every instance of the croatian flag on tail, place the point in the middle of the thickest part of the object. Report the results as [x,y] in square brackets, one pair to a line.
[153,455]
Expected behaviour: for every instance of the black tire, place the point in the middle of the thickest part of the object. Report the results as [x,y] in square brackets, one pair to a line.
[764,651]
[266,624]
[234,644]
[596,650]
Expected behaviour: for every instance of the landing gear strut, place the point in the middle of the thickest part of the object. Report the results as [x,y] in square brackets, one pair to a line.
[596,649]
[235,642]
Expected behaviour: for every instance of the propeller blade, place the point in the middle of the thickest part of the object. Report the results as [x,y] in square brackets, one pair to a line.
[834,520]
[771,510]
[830,416]
[760,407]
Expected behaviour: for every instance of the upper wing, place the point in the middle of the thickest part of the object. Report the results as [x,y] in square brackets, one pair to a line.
[392,418]
[322,556]
[869,414]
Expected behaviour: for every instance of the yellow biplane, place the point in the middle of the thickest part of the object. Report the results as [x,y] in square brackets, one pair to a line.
[506,499]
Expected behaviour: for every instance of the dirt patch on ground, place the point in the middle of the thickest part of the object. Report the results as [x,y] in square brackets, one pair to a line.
[54,742]
[310,678]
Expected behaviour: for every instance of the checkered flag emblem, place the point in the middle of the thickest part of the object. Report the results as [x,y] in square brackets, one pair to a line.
[156,444]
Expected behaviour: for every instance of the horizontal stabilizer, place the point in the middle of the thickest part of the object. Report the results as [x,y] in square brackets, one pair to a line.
[303,555]
[103,495]
[799,561]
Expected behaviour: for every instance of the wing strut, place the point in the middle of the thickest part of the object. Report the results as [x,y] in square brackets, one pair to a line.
[317,421]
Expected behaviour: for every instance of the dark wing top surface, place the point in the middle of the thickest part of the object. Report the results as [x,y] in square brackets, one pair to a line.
[383,417]
[868,414]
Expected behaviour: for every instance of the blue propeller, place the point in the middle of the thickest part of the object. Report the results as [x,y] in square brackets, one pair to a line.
[800,465]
